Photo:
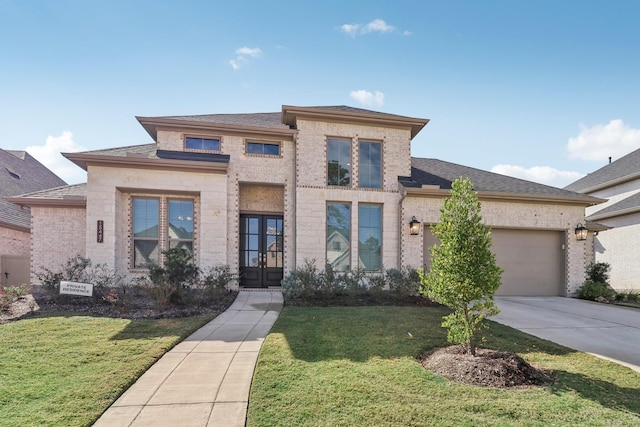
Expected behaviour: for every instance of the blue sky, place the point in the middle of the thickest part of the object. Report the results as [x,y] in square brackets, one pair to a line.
[543,90]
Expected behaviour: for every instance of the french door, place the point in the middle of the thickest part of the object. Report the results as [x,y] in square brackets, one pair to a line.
[261,250]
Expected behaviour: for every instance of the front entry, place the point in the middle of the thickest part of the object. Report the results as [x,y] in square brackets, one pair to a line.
[261,250]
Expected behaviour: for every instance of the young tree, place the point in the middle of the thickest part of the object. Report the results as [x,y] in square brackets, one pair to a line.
[463,275]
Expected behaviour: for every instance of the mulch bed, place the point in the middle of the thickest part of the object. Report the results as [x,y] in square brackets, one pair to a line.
[344,300]
[489,368]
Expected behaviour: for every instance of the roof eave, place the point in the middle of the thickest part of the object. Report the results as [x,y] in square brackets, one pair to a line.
[621,212]
[151,125]
[289,112]
[514,197]
[611,183]
[64,201]
[16,227]
[83,160]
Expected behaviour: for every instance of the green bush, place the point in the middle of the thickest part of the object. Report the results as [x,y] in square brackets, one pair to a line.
[598,272]
[168,281]
[9,294]
[303,282]
[593,290]
[403,282]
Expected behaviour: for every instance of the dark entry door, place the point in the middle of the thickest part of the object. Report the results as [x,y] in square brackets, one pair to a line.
[261,250]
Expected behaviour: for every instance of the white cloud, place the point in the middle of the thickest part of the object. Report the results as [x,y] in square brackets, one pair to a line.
[49,155]
[242,53]
[368,98]
[375,26]
[541,174]
[600,142]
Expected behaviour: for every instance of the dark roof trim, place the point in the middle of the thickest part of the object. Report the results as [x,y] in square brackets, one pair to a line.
[144,162]
[151,125]
[290,112]
[513,197]
[191,156]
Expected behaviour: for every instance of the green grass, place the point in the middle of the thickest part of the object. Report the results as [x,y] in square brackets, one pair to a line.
[345,366]
[65,369]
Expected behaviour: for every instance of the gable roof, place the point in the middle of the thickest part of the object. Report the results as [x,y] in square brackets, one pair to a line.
[625,206]
[434,177]
[624,169]
[21,173]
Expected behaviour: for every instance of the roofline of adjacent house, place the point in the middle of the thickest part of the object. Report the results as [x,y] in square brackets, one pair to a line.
[611,183]
[67,201]
[627,211]
[416,124]
[150,124]
[14,226]
[141,161]
[496,195]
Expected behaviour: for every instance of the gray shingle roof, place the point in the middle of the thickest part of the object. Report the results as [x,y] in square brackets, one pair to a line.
[59,193]
[20,173]
[630,204]
[144,150]
[442,174]
[265,120]
[626,166]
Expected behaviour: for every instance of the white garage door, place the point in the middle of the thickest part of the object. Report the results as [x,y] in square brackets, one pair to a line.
[533,261]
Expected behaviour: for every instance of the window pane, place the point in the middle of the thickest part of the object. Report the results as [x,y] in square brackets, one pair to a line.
[263,148]
[272,149]
[145,252]
[146,213]
[370,237]
[202,144]
[254,148]
[338,162]
[370,163]
[180,219]
[339,236]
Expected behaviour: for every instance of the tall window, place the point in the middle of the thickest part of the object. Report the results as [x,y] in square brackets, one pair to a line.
[370,237]
[370,165]
[339,236]
[209,144]
[160,224]
[146,232]
[339,162]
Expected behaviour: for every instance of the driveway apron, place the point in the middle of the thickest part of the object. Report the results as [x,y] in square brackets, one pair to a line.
[205,379]
[608,331]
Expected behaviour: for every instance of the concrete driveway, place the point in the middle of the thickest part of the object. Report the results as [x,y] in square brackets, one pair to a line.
[607,331]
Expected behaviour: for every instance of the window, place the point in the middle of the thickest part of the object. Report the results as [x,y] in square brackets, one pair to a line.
[159,224]
[265,148]
[339,236]
[370,165]
[339,162]
[209,144]
[370,237]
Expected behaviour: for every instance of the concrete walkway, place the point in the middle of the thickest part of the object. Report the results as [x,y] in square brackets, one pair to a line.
[204,380]
[608,331]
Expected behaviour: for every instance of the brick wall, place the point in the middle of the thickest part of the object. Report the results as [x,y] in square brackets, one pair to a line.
[620,248]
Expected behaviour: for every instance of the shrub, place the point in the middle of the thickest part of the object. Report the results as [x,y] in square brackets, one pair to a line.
[168,281]
[403,282]
[593,290]
[218,278]
[302,282]
[598,272]
[10,293]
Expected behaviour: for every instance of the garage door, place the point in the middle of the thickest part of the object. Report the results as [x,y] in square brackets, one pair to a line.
[533,261]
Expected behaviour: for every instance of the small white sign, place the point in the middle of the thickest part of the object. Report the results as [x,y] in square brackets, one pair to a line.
[76,288]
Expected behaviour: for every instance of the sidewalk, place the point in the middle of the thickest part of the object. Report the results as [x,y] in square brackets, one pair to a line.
[204,380]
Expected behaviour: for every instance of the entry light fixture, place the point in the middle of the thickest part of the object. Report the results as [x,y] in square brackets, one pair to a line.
[414,226]
[581,232]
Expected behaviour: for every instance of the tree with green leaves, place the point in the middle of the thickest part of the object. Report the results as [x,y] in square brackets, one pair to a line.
[464,274]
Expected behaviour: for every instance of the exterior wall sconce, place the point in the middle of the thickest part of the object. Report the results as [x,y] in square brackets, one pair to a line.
[581,232]
[414,226]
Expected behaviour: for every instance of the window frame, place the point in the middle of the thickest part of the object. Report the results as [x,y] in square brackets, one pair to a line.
[157,239]
[380,184]
[263,143]
[201,137]
[349,143]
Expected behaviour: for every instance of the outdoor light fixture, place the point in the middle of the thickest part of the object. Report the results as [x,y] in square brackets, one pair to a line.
[581,232]
[414,226]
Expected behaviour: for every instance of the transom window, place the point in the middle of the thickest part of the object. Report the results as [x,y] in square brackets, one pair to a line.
[339,162]
[209,144]
[160,223]
[370,165]
[265,148]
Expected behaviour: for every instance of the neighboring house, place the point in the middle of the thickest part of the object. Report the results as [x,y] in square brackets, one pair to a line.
[617,242]
[19,173]
[264,192]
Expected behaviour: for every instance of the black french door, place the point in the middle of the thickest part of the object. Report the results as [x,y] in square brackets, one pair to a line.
[261,250]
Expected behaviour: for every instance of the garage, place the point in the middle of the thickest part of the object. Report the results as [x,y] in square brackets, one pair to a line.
[533,261]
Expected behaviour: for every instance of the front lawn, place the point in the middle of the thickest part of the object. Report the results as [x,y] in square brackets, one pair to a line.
[65,369]
[344,366]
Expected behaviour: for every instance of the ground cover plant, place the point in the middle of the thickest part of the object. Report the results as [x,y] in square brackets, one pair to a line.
[329,366]
[65,369]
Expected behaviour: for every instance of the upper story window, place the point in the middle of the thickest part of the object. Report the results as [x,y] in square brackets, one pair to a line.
[264,148]
[208,144]
[370,165]
[339,162]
